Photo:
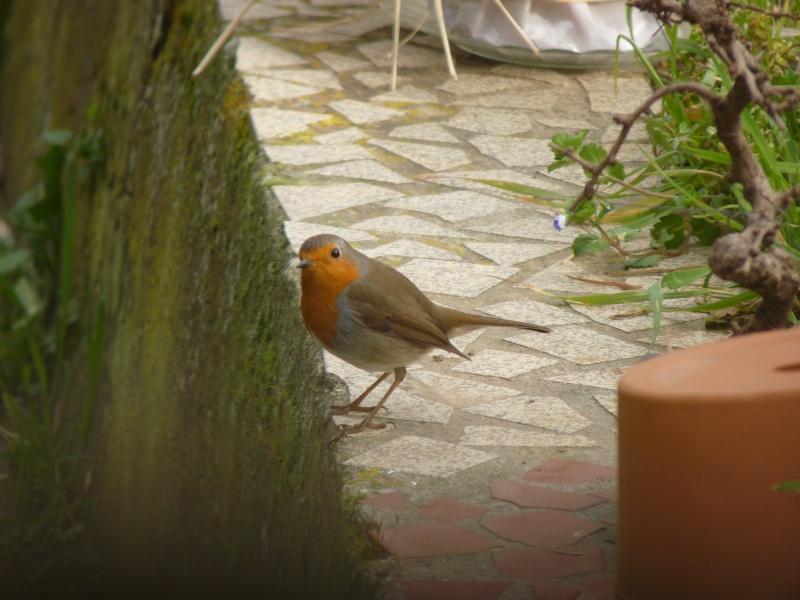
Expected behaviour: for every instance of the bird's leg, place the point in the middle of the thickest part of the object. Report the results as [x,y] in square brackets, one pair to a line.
[399,375]
[354,405]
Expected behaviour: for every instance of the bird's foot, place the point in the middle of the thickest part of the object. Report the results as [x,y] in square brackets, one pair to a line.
[352,407]
[348,408]
[358,427]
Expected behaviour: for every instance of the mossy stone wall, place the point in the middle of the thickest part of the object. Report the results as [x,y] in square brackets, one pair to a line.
[212,472]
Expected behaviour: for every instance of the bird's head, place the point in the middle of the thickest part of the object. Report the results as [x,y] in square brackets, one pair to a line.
[328,261]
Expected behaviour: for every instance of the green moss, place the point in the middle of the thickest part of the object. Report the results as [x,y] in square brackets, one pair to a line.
[334,121]
[301,137]
[212,467]
[399,104]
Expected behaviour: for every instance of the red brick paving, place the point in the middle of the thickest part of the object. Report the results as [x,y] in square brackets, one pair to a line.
[545,564]
[601,588]
[460,590]
[442,508]
[542,519]
[434,539]
[569,472]
[526,495]
[610,494]
[543,529]
[393,501]
[553,591]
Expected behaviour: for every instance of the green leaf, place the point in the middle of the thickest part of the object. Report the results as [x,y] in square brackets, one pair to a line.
[557,164]
[11,261]
[669,231]
[786,167]
[586,243]
[787,486]
[705,231]
[690,46]
[566,140]
[709,79]
[605,209]
[738,193]
[657,302]
[585,211]
[520,189]
[27,296]
[724,303]
[637,220]
[22,206]
[58,137]
[630,296]
[617,171]
[764,152]
[679,279]
[592,153]
[623,233]
[642,263]
[718,158]
[657,134]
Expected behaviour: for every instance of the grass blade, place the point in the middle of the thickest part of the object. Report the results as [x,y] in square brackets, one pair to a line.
[96,340]
[741,298]
[67,254]
[657,302]
[679,279]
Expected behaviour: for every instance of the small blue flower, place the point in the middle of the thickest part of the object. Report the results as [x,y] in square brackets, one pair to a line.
[560,222]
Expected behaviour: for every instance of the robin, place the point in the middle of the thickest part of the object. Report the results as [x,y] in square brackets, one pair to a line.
[373,317]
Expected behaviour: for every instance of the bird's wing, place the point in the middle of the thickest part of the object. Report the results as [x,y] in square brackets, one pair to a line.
[402,312]
[409,328]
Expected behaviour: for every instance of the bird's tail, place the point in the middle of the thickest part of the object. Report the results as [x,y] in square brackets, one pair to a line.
[460,322]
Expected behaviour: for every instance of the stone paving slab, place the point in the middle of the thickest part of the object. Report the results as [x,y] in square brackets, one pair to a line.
[423,456]
[547,413]
[497,477]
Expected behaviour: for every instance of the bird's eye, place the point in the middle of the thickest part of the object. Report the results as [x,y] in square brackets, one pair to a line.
[335,253]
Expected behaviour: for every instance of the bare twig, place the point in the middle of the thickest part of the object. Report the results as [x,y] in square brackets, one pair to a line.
[439,12]
[627,123]
[515,26]
[305,28]
[647,272]
[633,188]
[617,284]
[766,11]
[618,247]
[222,39]
[749,257]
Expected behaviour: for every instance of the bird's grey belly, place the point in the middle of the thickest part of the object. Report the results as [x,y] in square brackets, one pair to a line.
[375,351]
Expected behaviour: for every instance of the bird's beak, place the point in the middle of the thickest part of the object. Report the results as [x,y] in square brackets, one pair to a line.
[306,262]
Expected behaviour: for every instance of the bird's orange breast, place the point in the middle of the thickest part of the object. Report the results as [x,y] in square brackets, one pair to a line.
[321,285]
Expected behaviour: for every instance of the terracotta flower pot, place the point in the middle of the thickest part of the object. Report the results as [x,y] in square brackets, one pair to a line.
[704,434]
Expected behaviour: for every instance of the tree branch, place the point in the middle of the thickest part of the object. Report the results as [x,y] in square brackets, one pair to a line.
[627,123]
[749,257]
[771,13]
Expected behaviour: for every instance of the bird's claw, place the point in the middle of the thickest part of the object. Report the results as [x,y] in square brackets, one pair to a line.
[338,409]
[345,430]
[346,408]
[364,425]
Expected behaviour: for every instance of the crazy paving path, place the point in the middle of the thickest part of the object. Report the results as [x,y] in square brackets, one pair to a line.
[498,478]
